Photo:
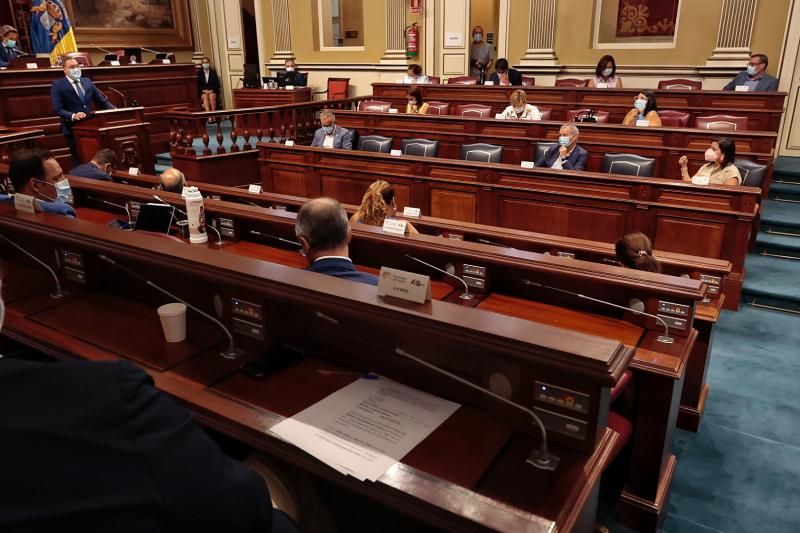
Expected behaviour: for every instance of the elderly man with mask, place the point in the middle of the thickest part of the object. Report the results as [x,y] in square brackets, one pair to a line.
[566,154]
[330,135]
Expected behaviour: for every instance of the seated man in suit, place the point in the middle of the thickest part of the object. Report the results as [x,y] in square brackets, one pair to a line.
[93,446]
[503,75]
[172,180]
[99,168]
[567,154]
[324,232]
[8,46]
[72,101]
[755,78]
[293,76]
[330,135]
[36,173]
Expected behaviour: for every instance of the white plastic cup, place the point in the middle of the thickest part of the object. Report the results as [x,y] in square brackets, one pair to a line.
[173,321]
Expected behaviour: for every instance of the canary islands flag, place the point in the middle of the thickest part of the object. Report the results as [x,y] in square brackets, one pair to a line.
[51,31]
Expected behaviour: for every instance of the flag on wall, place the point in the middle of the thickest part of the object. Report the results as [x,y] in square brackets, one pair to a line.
[51,31]
[647,18]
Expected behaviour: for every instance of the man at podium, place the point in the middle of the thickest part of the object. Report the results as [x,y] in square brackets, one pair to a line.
[72,101]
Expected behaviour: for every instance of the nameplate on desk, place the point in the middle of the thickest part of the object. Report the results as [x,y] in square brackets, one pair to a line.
[289,142]
[166,61]
[700,180]
[392,110]
[24,203]
[499,116]
[290,87]
[254,188]
[526,164]
[31,65]
[404,285]
[396,152]
[642,123]
[488,83]
[133,171]
[394,226]
[114,63]
[601,85]
[411,212]
[741,88]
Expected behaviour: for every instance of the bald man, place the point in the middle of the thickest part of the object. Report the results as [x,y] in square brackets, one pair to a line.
[324,232]
[172,180]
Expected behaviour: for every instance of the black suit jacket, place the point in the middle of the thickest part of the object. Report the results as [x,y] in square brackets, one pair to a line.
[66,101]
[213,81]
[89,446]
[514,76]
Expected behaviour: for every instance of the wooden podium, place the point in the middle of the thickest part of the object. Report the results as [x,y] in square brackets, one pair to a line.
[123,130]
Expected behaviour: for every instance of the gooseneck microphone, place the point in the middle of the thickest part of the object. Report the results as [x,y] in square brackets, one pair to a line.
[101,49]
[492,243]
[232,352]
[464,295]
[58,293]
[124,98]
[182,212]
[664,339]
[540,458]
[112,204]
[279,239]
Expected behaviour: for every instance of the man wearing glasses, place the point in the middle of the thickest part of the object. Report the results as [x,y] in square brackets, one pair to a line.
[755,78]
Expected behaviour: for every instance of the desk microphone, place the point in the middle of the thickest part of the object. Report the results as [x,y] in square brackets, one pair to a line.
[541,458]
[232,352]
[112,204]
[464,295]
[124,98]
[486,241]
[58,293]
[636,307]
[182,212]
[280,239]
[101,49]
[152,51]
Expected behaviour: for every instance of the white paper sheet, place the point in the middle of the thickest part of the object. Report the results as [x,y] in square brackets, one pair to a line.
[364,428]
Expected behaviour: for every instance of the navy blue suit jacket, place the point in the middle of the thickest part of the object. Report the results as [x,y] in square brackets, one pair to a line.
[575,161]
[7,54]
[66,101]
[93,446]
[766,83]
[342,268]
[88,170]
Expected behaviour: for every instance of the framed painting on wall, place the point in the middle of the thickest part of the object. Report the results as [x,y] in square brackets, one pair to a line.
[636,23]
[158,24]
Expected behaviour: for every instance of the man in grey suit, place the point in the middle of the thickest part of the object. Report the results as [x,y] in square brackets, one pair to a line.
[330,135]
[755,78]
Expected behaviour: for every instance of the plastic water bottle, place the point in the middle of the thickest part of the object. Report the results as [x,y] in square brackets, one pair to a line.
[196,214]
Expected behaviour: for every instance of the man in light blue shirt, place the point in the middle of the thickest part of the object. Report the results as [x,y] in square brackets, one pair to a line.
[36,173]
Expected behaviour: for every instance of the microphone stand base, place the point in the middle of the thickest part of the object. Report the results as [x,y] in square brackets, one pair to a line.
[232,353]
[663,339]
[466,296]
[542,460]
[57,295]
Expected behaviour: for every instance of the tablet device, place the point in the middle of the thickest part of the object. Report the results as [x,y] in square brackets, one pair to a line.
[157,218]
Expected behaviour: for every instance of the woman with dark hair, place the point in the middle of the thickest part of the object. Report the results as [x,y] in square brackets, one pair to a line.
[416,105]
[415,75]
[635,251]
[605,75]
[644,109]
[719,168]
[377,204]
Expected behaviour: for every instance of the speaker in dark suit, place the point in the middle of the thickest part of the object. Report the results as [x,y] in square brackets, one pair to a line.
[73,97]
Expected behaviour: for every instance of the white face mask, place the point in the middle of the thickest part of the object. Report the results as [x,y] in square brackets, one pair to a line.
[711,155]
[289,69]
[75,73]
[206,66]
[412,101]
[519,110]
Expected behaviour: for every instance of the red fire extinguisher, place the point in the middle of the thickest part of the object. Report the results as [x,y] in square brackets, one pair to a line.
[412,40]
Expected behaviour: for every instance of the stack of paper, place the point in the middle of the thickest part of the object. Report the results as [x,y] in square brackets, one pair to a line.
[364,428]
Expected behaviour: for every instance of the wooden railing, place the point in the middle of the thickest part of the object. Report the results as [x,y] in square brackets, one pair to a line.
[296,122]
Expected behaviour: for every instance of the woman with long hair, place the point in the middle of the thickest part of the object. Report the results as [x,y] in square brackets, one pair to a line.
[377,204]
[635,251]
[719,168]
[605,74]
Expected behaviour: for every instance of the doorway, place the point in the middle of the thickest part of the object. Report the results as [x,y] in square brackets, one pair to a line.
[486,13]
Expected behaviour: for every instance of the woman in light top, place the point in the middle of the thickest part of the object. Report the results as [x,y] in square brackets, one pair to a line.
[635,251]
[416,105]
[719,169]
[377,204]
[415,75]
[644,108]
[520,109]
[605,75]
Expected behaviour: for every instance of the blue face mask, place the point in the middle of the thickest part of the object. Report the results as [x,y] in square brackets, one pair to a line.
[328,129]
[75,73]
[640,104]
[11,43]
[63,192]
[607,72]
[751,70]
[563,140]
[478,37]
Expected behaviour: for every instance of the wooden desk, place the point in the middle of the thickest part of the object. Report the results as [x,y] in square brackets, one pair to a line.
[25,98]
[13,139]
[269,97]
[763,110]
[496,489]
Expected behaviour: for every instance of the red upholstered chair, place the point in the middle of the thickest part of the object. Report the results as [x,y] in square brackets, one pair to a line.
[528,81]
[571,82]
[463,80]
[473,110]
[546,112]
[338,88]
[83,58]
[374,106]
[674,119]
[435,79]
[680,85]
[721,122]
[601,116]
[438,108]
